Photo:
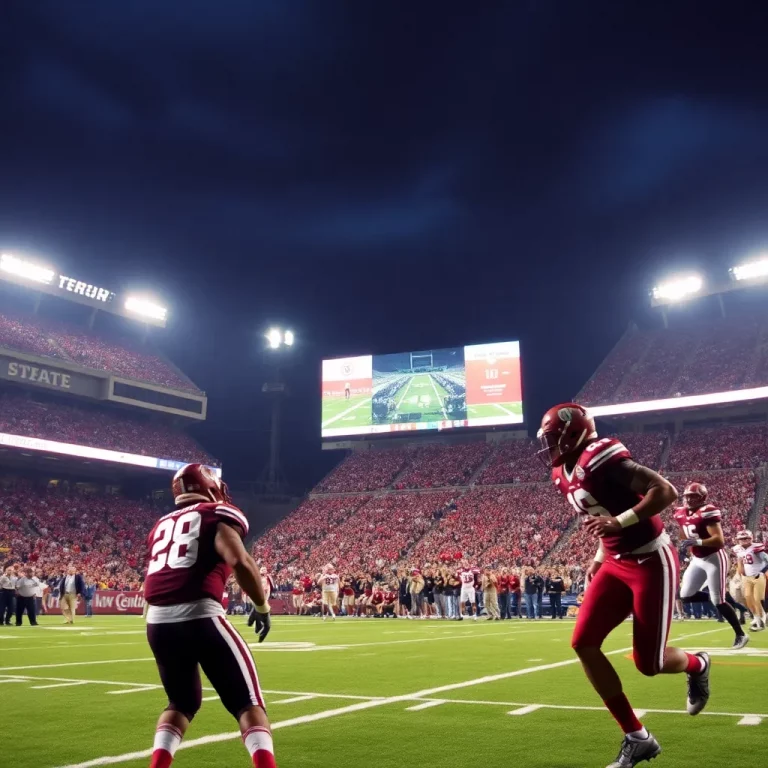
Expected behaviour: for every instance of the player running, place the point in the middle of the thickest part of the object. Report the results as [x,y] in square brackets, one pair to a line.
[329,583]
[753,566]
[635,570]
[701,525]
[192,553]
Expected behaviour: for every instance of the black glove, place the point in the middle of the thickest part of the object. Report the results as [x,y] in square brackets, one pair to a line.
[263,624]
[252,617]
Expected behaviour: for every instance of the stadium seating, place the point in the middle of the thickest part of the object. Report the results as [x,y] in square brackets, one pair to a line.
[100,428]
[38,336]
[103,536]
[513,461]
[368,471]
[719,448]
[716,355]
[438,466]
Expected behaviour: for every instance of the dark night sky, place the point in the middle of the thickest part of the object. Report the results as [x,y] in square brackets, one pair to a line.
[382,176]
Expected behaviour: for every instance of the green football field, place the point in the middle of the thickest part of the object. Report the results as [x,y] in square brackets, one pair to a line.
[494,409]
[421,393]
[339,412]
[377,693]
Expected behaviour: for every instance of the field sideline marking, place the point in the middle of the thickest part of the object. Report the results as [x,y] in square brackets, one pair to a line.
[437,395]
[328,713]
[344,413]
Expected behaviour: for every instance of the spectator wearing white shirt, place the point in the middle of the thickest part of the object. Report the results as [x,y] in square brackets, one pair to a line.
[26,591]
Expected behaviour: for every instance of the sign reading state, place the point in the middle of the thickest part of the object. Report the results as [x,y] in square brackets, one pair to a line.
[48,377]
[39,375]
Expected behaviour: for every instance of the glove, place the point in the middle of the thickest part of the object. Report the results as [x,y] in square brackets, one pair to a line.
[690,543]
[262,620]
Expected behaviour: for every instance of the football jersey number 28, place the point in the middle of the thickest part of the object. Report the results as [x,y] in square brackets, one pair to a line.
[584,502]
[170,537]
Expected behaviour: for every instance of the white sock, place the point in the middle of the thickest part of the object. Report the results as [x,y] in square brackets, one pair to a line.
[167,737]
[640,735]
[257,738]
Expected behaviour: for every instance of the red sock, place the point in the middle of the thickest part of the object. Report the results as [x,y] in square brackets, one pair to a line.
[695,664]
[623,713]
[258,742]
[161,758]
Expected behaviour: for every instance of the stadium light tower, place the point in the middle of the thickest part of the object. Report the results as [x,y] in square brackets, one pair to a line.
[279,343]
[751,270]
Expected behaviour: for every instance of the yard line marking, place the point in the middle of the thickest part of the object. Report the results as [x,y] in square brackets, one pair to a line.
[139,686]
[750,720]
[76,664]
[425,705]
[639,713]
[58,685]
[13,680]
[329,713]
[293,699]
[525,710]
[437,395]
[344,413]
[137,689]
[508,412]
[210,698]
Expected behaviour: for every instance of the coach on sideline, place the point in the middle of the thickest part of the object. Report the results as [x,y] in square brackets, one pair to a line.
[26,591]
[70,586]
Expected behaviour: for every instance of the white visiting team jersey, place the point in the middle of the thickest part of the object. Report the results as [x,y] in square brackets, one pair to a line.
[330,582]
[753,557]
[467,579]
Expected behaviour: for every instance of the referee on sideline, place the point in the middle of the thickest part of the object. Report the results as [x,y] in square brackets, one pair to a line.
[7,595]
[26,591]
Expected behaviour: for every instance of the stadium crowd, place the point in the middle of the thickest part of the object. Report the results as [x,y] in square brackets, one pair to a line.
[365,471]
[719,448]
[438,466]
[36,336]
[52,528]
[114,429]
[711,356]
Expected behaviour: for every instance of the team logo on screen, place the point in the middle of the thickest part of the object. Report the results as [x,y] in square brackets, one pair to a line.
[347,370]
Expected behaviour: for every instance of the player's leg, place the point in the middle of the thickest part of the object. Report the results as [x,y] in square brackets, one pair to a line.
[229,665]
[653,584]
[716,567]
[750,597]
[180,676]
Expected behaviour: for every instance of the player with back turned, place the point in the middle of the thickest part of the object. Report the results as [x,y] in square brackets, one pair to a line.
[635,570]
[192,552]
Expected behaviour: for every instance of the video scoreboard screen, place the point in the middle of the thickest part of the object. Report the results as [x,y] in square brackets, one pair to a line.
[435,389]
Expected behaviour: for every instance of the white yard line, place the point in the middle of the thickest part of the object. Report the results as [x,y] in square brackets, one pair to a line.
[425,705]
[345,412]
[358,707]
[442,407]
[293,699]
[58,685]
[405,392]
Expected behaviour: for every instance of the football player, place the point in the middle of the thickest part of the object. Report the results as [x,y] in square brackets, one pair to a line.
[634,572]
[753,566]
[701,526]
[329,583]
[192,553]
[467,579]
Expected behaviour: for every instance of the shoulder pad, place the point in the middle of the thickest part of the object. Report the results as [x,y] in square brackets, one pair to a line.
[600,452]
[228,512]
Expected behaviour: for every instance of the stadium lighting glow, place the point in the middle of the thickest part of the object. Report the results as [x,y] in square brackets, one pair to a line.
[13,265]
[678,288]
[690,401]
[288,338]
[751,270]
[274,337]
[145,308]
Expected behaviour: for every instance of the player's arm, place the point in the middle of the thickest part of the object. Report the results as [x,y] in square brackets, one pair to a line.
[229,546]
[656,491]
[763,559]
[716,538]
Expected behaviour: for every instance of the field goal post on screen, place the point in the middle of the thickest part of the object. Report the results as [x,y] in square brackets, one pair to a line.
[421,361]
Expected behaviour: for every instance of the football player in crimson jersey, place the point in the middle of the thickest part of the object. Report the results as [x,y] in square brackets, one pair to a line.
[192,553]
[635,570]
[703,533]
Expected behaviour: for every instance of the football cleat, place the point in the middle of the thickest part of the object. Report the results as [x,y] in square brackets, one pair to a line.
[634,751]
[756,626]
[740,641]
[698,687]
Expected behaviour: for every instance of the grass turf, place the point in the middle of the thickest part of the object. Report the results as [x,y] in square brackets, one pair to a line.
[63,706]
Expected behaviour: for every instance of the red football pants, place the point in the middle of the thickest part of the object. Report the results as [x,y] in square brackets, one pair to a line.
[641,585]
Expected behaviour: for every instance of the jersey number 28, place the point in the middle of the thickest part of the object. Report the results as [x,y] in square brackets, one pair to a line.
[170,536]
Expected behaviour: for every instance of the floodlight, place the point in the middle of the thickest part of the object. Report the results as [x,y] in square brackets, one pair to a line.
[145,308]
[13,265]
[288,338]
[678,288]
[752,270]
[274,337]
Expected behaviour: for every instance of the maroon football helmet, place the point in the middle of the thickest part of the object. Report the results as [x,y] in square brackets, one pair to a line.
[196,483]
[565,430]
[695,495]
